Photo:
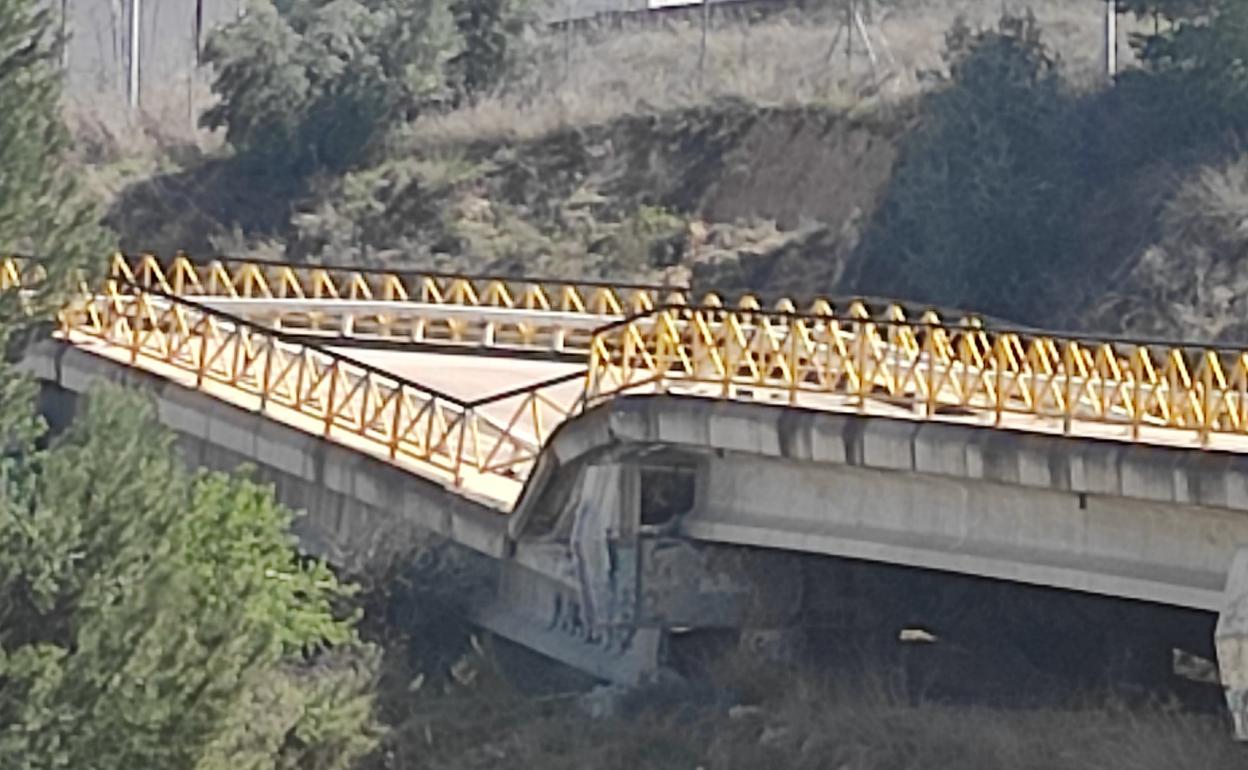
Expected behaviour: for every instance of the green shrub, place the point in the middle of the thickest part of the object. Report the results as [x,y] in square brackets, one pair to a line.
[42,207]
[306,85]
[651,237]
[1209,55]
[980,208]
[1193,282]
[153,618]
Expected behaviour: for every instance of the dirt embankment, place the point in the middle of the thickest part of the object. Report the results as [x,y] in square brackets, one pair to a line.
[730,196]
[733,195]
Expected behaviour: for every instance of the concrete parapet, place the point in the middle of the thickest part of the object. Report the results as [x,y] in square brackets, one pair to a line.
[1232,643]
[1080,465]
[1154,523]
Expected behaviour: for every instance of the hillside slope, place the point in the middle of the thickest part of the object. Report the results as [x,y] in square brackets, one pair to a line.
[1004,184]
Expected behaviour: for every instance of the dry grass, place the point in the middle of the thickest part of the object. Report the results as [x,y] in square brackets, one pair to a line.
[1192,282]
[116,148]
[597,74]
[755,717]
[167,119]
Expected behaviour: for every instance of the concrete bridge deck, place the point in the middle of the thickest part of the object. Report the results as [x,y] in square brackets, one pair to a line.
[1109,467]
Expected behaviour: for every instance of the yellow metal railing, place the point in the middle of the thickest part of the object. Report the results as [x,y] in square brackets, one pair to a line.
[421,307]
[253,279]
[436,308]
[485,445]
[855,356]
[401,307]
[1002,377]
[11,274]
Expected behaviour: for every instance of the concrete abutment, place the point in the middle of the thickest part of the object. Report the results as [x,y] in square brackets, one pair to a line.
[1232,643]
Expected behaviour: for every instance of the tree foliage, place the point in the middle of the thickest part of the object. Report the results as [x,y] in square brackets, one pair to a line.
[978,211]
[308,84]
[149,617]
[42,209]
[491,32]
[1204,49]
[144,610]
[1166,9]
[1192,282]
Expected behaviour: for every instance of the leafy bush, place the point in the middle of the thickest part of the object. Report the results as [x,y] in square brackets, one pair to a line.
[491,31]
[980,206]
[149,617]
[42,208]
[1193,283]
[308,84]
[651,237]
[1195,74]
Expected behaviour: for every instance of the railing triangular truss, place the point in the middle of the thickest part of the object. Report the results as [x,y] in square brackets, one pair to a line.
[827,355]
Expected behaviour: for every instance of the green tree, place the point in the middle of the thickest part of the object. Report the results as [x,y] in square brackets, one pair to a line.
[979,211]
[491,31]
[154,618]
[308,84]
[149,617]
[1205,49]
[42,208]
[1169,10]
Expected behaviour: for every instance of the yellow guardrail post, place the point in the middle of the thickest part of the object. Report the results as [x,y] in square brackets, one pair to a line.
[459,450]
[266,375]
[780,354]
[396,425]
[999,386]
[1207,416]
[1137,392]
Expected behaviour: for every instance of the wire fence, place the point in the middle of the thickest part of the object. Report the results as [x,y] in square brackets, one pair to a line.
[147,54]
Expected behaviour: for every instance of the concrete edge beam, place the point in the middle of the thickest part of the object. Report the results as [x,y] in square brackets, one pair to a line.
[1076,465]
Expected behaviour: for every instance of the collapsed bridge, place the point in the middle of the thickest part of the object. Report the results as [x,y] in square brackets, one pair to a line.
[632,462]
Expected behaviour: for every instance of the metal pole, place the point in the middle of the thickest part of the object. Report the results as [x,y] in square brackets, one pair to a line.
[849,36]
[1111,38]
[197,32]
[866,39]
[64,35]
[567,40]
[132,90]
[706,14]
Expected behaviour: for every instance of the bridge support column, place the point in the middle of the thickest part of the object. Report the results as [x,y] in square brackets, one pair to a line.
[1232,643]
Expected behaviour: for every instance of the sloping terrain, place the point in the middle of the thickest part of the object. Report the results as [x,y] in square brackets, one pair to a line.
[731,196]
[645,197]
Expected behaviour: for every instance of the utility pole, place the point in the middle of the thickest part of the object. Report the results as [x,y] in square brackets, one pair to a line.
[567,40]
[64,35]
[849,40]
[1111,38]
[706,19]
[132,83]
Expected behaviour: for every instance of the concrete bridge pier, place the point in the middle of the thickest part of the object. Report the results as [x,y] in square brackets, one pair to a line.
[1232,643]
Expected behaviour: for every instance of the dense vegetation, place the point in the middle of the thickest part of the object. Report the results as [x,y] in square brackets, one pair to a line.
[998,176]
[149,617]
[306,85]
[41,210]
[985,208]
[153,617]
